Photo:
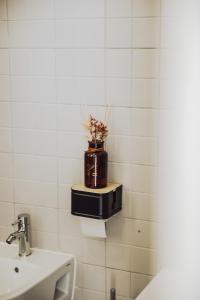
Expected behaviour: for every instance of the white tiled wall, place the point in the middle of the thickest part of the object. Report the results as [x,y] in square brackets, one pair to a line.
[55,57]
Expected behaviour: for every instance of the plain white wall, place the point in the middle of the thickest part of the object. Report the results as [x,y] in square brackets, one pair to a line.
[179,142]
[56,55]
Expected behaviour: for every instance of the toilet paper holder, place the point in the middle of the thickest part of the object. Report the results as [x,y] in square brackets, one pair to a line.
[96,203]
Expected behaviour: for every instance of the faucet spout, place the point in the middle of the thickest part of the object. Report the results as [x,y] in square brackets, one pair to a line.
[13,236]
[11,239]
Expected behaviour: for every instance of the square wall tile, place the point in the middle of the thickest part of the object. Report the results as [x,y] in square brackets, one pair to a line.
[44,142]
[34,142]
[144,122]
[22,115]
[66,33]
[3,34]
[44,240]
[31,34]
[5,139]
[119,92]
[91,277]
[143,179]
[80,33]
[146,63]
[65,62]
[36,168]
[146,8]
[145,93]
[138,283]
[70,118]
[5,88]
[117,114]
[4,60]
[94,251]
[118,230]
[119,8]
[120,280]
[118,172]
[139,206]
[69,149]
[6,214]
[89,251]
[136,178]
[118,63]
[22,141]
[27,9]
[71,245]
[34,116]
[80,62]
[142,233]
[145,233]
[32,62]
[7,190]
[143,261]
[137,122]
[6,165]
[81,90]
[79,9]
[119,33]
[33,89]
[3,10]
[146,33]
[118,256]
[90,33]
[90,62]
[64,196]
[127,149]
[67,90]
[35,193]
[70,171]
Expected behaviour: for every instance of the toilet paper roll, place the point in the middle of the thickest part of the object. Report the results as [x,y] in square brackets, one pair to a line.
[93,228]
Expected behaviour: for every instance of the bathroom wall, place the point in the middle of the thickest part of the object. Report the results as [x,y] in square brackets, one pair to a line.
[59,61]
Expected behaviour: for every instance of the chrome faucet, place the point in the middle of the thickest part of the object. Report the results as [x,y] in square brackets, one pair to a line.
[23,234]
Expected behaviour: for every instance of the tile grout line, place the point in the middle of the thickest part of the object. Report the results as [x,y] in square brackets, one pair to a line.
[12,153]
[57,157]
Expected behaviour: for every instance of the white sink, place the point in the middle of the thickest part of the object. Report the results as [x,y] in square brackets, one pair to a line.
[44,275]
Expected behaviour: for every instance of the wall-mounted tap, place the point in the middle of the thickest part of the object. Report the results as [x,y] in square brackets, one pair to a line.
[23,234]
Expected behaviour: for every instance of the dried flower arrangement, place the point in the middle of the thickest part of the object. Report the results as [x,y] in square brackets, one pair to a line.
[97,130]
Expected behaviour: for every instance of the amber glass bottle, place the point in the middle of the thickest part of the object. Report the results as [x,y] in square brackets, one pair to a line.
[96,161]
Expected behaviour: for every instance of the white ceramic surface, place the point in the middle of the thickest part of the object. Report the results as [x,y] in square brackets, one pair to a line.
[172,284]
[37,275]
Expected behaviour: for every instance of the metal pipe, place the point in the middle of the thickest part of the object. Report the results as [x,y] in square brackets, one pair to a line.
[112,294]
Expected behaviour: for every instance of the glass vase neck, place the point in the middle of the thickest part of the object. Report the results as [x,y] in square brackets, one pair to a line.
[96,144]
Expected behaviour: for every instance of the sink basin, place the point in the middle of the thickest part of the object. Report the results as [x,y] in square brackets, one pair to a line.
[44,275]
